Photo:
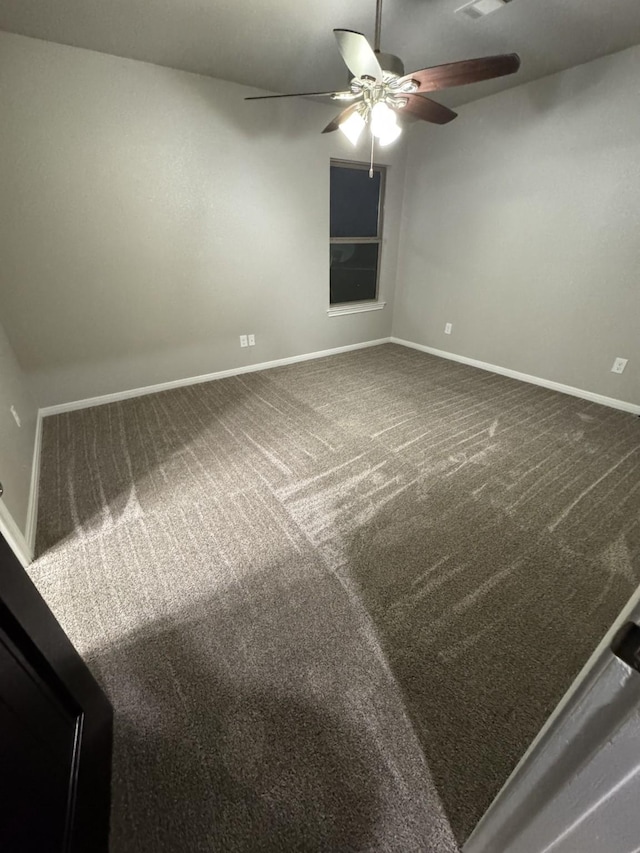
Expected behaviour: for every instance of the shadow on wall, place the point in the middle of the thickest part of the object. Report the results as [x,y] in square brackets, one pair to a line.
[486,617]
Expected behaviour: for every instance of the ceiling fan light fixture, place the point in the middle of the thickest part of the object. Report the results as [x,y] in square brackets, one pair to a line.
[352,127]
[404,86]
[383,122]
[379,87]
[390,136]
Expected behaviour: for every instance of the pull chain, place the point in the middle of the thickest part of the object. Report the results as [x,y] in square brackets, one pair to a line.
[371,165]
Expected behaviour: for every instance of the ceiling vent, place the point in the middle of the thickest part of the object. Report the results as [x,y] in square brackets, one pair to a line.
[480,8]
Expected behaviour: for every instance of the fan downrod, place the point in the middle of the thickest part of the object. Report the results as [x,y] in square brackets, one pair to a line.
[388,61]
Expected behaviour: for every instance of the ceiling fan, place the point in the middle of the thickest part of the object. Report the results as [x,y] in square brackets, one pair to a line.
[380,91]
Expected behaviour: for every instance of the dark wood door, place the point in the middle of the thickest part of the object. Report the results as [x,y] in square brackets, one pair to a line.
[55,730]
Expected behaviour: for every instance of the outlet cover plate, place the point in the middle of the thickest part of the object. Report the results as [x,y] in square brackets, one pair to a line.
[619,365]
[243,341]
[447,328]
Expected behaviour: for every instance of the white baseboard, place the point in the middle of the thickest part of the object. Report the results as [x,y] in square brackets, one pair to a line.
[195,380]
[32,508]
[612,402]
[12,533]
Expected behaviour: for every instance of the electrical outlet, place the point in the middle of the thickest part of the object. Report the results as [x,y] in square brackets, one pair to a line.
[619,365]
[252,340]
[447,328]
[243,341]
[16,416]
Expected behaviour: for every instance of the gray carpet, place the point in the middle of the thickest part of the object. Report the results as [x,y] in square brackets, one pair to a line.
[298,585]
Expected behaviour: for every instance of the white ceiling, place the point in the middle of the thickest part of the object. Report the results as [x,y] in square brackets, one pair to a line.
[288,45]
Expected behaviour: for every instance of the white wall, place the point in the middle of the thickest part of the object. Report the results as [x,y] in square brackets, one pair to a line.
[16,443]
[521,227]
[154,216]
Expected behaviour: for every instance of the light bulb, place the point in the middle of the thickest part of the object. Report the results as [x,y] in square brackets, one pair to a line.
[390,136]
[352,127]
[383,120]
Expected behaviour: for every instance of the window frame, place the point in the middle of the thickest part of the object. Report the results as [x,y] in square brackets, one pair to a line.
[338,308]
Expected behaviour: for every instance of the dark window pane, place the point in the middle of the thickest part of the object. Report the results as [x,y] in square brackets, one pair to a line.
[355,198]
[354,271]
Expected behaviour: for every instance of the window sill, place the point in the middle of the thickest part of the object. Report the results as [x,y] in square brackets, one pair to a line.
[354,308]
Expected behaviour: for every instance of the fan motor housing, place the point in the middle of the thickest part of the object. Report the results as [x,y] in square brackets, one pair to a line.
[391,63]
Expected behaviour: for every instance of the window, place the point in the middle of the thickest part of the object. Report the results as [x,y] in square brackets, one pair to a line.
[355,236]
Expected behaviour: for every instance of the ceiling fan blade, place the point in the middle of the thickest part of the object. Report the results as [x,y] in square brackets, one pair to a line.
[358,54]
[426,109]
[467,71]
[335,123]
[340,95]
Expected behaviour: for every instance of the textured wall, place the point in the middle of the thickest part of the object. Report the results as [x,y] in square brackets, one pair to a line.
[156,216]
[520,227]
[16,443]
